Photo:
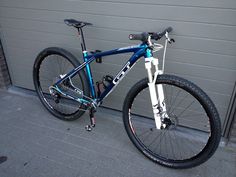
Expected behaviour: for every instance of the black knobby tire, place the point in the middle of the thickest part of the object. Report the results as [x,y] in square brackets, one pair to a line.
[46,65]
[170,156]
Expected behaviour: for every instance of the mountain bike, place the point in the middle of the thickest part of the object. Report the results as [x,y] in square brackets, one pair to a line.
[169,119]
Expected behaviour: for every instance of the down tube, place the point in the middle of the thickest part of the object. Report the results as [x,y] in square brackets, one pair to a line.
[126,68]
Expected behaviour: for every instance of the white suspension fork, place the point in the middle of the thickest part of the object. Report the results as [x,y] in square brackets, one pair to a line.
[158,103]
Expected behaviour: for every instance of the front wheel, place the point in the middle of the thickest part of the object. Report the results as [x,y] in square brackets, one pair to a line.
[192,132]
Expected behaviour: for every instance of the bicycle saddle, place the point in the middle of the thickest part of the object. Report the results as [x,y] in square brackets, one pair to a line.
[75,23]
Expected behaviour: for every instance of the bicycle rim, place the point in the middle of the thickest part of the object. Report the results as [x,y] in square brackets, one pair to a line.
[52,68]
[189,130]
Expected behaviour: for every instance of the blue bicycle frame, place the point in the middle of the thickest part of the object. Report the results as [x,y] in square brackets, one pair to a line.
[139,51]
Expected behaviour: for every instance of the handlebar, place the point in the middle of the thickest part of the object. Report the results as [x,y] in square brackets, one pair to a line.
[144,36]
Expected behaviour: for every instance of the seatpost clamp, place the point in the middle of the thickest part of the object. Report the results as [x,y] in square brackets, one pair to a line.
[149,41]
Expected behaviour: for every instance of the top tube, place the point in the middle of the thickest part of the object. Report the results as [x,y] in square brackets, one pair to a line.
[127,49]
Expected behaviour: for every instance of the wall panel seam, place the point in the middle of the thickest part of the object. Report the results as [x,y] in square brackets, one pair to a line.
[100,14]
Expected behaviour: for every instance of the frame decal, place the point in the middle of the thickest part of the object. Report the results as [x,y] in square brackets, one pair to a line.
[122,73]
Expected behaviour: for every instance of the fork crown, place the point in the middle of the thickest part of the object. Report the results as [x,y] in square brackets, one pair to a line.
[148,53]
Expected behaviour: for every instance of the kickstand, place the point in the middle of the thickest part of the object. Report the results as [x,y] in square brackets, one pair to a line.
[92,120]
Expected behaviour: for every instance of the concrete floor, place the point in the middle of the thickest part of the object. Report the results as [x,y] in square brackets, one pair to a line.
[37,144]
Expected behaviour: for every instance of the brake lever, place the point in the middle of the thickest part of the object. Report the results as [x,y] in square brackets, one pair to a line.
[171,40]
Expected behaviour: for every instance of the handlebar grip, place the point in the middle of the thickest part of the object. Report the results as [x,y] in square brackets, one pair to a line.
[142,36]
[169,29]
[158,36]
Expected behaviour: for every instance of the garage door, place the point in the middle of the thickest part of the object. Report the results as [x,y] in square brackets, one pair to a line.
[204,30]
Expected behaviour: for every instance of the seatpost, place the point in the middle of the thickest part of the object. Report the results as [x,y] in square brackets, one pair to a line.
[80,32]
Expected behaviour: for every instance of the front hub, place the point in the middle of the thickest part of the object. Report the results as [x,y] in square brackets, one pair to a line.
[170,122]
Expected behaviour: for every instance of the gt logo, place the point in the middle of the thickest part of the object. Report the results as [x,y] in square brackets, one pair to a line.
[121,74]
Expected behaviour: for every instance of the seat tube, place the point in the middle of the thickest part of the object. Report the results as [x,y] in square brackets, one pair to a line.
[89,75]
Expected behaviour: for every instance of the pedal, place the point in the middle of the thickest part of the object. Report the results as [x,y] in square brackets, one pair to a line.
[88,128]
[92,121]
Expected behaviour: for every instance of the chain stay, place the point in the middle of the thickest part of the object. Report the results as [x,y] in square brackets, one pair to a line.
[85,100]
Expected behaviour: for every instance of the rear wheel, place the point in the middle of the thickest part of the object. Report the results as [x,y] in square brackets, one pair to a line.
[192,131]
[50,66]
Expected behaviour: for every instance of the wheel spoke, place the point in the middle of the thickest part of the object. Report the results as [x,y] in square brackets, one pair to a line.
[184,137]
[172,104]
[186,108]
[193,115]
[172,149]
[154,140]
[140,135]
[49,72]
[178,145]
[180,102]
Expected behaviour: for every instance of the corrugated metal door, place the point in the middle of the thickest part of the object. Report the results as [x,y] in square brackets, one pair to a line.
[204,30]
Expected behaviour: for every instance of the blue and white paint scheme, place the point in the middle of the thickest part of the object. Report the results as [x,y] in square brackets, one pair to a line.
[138,50]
